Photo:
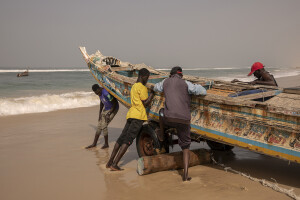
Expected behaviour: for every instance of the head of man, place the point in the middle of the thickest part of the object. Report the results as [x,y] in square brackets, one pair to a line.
[143,75]
[176,70]
[257,69]
[97,89]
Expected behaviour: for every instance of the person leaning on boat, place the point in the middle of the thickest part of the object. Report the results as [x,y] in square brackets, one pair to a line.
[263,76]
[135,117]
[176,112]
[109,107]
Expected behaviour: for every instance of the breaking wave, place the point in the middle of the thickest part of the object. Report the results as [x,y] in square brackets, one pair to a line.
[277,74]
[47,103]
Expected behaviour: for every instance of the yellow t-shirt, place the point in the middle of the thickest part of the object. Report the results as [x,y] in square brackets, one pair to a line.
[138,94]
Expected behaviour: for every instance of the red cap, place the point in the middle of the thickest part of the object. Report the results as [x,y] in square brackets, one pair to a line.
[256,66]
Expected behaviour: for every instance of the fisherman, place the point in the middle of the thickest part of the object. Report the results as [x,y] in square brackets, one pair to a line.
[109,107]
[135,119]
[263,76]
[176,113]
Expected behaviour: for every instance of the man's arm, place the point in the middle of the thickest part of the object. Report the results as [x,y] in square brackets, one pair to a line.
[148,100]
[267,80]
[115,103]
[100,111]
[195,89]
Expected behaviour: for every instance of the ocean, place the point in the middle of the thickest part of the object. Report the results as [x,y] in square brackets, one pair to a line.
[46,90]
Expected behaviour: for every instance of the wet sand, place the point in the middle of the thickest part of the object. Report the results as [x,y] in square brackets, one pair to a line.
[290,81]
[43,157]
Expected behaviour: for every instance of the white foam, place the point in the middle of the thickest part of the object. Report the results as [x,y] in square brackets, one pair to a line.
[46,103]
[43,70]
[277,74]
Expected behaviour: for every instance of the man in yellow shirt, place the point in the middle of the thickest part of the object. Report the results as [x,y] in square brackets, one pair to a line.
[135,119]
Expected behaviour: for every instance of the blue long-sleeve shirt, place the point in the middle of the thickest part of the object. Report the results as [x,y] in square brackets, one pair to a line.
[194,89]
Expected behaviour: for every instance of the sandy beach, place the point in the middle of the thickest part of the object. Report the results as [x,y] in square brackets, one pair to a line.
[43,157]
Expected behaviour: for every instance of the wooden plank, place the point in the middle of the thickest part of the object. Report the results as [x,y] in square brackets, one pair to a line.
[258,95]
[157,76]
[116,69]
[295,90]
[171,161]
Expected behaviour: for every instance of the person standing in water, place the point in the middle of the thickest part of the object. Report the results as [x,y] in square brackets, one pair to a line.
[135,119]
[176,112]
[109,107]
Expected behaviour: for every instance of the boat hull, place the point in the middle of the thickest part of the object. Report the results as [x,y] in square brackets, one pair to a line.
[251,127]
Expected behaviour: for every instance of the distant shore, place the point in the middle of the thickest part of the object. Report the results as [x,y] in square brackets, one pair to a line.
[289,81]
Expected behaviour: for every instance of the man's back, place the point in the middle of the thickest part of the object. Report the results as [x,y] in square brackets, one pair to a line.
[177,99]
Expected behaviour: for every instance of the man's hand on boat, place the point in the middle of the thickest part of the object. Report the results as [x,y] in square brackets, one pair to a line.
[235,80]
[253,82]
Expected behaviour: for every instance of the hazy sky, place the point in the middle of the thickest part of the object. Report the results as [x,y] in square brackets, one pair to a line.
[207,33]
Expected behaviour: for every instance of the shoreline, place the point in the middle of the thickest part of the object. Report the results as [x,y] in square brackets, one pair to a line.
[288,81]
[283,82]
[43,157]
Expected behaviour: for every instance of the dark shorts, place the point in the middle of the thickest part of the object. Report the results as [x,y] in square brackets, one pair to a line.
[130,131]
[183,130]
[183,133]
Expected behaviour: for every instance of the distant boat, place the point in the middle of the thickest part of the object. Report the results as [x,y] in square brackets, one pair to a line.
[26,73]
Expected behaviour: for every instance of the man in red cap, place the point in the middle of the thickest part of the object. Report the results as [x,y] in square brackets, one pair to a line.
[263,76]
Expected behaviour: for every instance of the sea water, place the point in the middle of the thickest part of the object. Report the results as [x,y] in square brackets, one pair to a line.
[47,90]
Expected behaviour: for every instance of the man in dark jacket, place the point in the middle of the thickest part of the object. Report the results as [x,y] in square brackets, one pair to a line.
[177,109]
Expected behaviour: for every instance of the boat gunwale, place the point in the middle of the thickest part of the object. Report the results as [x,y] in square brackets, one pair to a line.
[213,98]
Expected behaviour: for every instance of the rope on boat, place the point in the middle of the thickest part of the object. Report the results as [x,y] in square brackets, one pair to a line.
[265,183]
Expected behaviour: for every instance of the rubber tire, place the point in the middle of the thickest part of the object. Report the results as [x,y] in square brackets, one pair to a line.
[218,146]
[147,133]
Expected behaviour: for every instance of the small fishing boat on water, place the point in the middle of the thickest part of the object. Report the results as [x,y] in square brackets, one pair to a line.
[264,119]
[25,73]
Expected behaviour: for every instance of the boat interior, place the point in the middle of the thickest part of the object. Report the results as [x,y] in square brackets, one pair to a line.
[217,87]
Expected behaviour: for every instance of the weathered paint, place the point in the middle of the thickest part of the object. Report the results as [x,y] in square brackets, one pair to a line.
[250,127]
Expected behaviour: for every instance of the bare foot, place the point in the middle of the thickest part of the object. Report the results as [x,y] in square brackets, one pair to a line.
[91,146]
[115,168]
[187,179]
[104,146]
[108,165]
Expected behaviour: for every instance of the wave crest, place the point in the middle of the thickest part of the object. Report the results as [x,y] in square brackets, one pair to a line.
[47,103]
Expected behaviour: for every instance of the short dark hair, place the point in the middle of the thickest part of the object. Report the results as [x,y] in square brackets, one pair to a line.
[95,87]
[175,70]
[144,72]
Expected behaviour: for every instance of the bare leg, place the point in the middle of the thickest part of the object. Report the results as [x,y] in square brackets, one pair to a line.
[105,143]
[95,141]
[113,155]
[161,126]
[186,160]
[123,149]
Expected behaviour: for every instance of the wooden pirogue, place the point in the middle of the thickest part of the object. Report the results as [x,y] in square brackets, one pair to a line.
[265,122]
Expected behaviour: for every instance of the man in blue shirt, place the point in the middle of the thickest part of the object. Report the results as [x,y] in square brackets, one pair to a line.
[111,107]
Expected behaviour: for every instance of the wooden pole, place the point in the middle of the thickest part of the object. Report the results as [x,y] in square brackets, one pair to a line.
[171,161]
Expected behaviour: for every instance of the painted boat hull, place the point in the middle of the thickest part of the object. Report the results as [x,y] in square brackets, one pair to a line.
[247,124]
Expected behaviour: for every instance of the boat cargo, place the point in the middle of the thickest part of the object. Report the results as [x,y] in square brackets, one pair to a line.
[266,121]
